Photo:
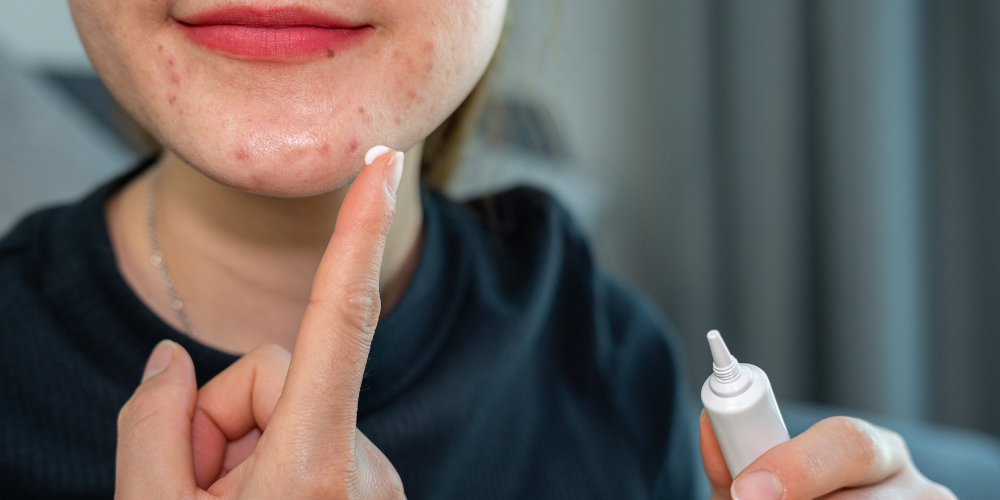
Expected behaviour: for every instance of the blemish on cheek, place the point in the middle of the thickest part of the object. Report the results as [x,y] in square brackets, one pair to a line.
[169,61]
[429,46]
[354,145]
[411,94]
[171,99]
[361,109]
[325,148]
[175,78]
[241,154]
[399,119]
[160,48]
[330,54]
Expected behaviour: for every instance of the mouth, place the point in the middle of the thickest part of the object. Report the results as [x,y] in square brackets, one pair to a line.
[286,33]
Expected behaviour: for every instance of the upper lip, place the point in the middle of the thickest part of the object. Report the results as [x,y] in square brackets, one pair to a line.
[268,17]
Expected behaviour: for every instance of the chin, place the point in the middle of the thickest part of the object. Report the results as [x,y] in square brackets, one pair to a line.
[289,171]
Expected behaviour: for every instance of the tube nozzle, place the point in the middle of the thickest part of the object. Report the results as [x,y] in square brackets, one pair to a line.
[720,353]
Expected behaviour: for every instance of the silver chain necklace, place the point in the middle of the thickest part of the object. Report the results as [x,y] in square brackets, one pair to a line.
[157,259]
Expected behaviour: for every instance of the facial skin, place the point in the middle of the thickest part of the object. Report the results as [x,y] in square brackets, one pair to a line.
[291,127]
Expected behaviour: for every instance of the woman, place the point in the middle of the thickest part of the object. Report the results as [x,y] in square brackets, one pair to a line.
[503,364]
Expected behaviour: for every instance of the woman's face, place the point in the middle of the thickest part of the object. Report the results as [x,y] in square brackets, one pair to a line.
[284,97]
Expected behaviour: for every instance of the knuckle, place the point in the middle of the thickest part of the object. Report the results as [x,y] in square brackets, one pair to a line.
[360,307]
[136,412]
[861,437]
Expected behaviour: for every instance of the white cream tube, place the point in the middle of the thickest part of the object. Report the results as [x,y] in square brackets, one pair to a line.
[742,408]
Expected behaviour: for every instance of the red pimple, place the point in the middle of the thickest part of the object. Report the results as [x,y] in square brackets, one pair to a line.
[175,78]
[399,119]
[355,144]
[429,46]
[325,148]
[170,61]
[171,98]
[241,154]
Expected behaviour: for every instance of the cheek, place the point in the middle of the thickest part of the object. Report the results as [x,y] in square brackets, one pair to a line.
[297,129]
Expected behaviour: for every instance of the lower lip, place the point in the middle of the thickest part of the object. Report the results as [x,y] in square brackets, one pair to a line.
[285,43]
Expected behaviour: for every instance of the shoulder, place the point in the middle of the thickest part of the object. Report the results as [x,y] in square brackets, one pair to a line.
[29,268]
[24,251]
[530,230]
[598,337]
[531,247]
[524,234]
[529,236]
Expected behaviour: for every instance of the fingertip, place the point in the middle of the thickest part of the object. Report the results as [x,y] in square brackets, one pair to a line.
[159,359]
[170,364]
[758,485]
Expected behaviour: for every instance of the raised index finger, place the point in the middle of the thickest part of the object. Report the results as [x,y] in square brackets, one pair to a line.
[328,361]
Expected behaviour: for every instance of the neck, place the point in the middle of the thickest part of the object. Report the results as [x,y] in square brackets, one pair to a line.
[242,263]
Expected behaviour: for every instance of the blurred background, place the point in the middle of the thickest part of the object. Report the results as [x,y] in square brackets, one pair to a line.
[820,180]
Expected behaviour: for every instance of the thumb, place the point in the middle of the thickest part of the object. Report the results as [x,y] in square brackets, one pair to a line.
[154,457]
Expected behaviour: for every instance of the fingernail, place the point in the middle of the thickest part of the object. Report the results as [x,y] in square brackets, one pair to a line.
[374,153]
[760,485]
[161,357]
[394,173]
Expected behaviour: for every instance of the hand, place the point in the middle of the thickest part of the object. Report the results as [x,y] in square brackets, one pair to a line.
[839,458]
[293,437]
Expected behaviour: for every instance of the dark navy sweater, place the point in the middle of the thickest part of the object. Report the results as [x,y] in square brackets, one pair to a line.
[510,369]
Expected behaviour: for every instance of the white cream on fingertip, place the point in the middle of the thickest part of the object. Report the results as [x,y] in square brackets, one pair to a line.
[374,153]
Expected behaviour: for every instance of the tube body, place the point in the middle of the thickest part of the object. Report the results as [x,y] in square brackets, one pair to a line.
[745,417]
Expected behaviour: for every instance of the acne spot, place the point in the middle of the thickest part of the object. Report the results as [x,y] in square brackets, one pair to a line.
[170,61]
[175,78]
[325,148]
[330,54]
[361,109]
[160,48]
[354,145]
[171,98]
[412,94]
[429,46]
[399,119]
[241,154]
